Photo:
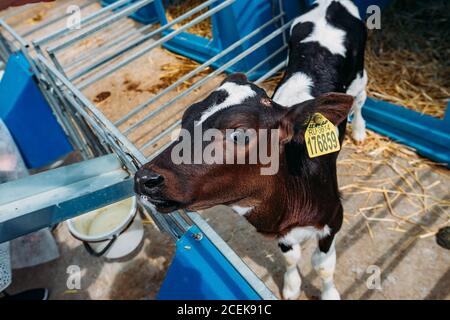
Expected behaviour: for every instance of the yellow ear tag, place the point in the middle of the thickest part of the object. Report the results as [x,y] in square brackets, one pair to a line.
[321,136]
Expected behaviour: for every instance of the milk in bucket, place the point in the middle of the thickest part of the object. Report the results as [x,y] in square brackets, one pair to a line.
[116,225]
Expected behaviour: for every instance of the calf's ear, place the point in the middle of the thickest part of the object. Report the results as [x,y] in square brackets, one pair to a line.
[334,106]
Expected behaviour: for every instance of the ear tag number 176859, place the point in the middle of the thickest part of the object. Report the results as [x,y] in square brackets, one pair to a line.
[321,136]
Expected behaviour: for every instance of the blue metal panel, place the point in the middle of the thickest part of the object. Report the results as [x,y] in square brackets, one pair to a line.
[428,135]
[199,271]
[28,116]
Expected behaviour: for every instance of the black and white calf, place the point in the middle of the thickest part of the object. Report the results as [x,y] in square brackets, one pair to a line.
[326,54]
[301,199]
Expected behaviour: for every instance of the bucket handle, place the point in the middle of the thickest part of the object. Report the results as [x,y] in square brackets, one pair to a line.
[94,253]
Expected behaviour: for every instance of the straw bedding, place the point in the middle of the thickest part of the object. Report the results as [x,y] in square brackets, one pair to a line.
[408,59]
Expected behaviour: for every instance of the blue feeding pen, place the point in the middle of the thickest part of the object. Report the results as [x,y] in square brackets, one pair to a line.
[29,118]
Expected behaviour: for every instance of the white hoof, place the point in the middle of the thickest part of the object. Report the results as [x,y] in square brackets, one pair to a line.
[291,294]
[331,294]
[359,134]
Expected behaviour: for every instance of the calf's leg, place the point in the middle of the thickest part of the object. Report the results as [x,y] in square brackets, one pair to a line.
[324,262]
[358,122]
[292,280]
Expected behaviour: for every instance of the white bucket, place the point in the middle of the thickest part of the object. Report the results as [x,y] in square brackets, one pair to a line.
[114,231]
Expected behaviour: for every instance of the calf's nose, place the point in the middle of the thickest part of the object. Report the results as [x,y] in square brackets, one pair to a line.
[148,178]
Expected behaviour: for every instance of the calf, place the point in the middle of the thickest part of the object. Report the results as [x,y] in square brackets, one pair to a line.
[301,199]
[327,55]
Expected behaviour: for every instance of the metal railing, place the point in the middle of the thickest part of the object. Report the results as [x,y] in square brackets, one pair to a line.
[89,129]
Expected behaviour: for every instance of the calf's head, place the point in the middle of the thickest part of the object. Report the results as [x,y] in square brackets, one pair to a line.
[227,144]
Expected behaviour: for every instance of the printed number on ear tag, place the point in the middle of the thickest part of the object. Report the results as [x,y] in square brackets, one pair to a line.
[321,136]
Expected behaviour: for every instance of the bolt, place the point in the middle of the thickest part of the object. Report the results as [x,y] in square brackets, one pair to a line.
[197,236]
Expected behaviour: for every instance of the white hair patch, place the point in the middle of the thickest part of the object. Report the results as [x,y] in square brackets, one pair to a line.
[236,95]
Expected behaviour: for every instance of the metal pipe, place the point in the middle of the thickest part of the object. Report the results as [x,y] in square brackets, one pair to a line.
[167,223]
[232,257]
[45,81]
[158,152]
[160,135]
[18,11]
[109,45]
[139,41]
[211,75]
[153,45]
[270,57]
[99,25]
[87,19]
[274,70]
[103,60]
[56,19]
[54,105]
[92,108]
[163,221]
[193,72]
[13,32]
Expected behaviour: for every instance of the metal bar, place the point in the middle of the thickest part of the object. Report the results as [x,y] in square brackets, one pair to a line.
[54,105]
[87,19]
[74,137]
[56,63]
[157,152]
[160,136]
[270,57]
[99,25]
[62,110]
[153,45]
[13,32]
[194,72]
[183,220]
[18,11]
[59,107]
[104,59]
[274,70]
[100,49]
[232,257]
[130,149]
[139,41]
[5,49]
[101,118]
[56,19]
[211,75]
[280,5]
[160,221]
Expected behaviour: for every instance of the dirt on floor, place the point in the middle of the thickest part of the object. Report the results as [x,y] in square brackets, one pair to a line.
[394,204]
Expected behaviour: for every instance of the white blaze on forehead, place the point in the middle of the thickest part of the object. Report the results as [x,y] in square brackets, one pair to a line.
[324,33]
[236,95]
[295,90]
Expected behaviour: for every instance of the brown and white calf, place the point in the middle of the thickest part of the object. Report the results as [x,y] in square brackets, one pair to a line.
[301,199]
